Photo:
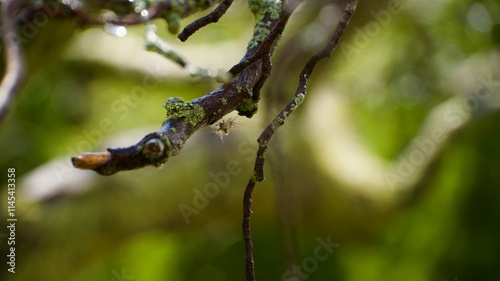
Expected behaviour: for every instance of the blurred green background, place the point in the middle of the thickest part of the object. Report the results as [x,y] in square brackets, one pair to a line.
[327,172]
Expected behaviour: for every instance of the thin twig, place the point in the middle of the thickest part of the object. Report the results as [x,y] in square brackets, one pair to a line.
[266,72]
[14,59]
[247,234]
[278,121]
[214,16]
[155,44]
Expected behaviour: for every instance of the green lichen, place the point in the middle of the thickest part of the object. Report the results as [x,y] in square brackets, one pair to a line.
[261,8]
[255,6]
[262,143]
[299,99]
[255,177]
[261,31]
[276,123]
[177,108]
[274,9]
[248,107]
[168,145]
[224,101]
[166,141]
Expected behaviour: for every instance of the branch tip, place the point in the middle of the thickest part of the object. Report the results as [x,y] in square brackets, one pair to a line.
[90,160]
[214,16]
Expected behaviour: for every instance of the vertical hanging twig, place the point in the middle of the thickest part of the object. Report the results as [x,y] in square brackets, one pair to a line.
[278,121]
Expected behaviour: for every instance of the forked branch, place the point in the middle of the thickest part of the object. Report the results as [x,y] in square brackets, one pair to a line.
[14,13]
[241,93]
[278,121]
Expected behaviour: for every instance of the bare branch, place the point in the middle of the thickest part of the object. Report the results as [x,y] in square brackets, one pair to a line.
[15,67]
[214,16]
[247,233]
[278,121]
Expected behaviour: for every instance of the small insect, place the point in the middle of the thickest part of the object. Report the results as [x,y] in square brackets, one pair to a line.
[222,127]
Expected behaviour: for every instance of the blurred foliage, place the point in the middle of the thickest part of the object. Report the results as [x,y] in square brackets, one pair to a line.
[129,226]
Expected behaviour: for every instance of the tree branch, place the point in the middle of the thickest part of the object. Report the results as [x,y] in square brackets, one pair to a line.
[184,118]
[214,16]
[287,9]
[15,67]
[278,121]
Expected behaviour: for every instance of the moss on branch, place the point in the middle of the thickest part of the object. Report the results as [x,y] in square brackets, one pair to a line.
[184,118]
[248,107]
[176,108]
[264,11]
